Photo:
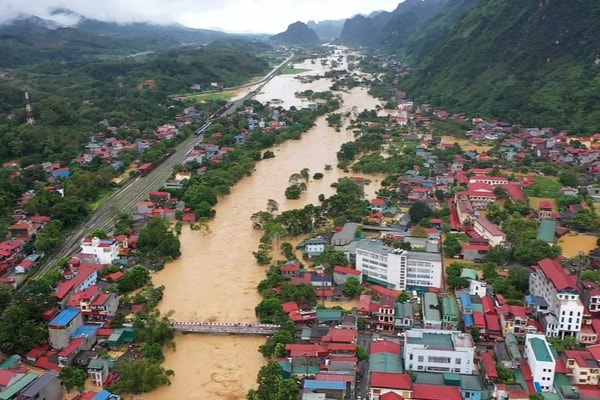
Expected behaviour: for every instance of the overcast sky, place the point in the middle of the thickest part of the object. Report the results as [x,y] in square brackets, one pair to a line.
[236,16]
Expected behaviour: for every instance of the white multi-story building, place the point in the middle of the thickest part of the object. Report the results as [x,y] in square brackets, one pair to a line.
[550,281]
[429,350]
[399,269]
[104,250]
[541,361]
[489,231]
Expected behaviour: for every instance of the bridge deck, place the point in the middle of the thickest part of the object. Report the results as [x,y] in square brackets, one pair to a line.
[240,328]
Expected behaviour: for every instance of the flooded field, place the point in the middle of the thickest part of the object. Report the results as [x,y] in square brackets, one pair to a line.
[466,144]
[216,277]
[571,244]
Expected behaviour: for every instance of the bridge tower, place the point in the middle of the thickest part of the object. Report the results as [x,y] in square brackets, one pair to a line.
[29,109]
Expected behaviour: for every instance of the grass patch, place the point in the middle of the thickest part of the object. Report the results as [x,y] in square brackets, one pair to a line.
[544,187]
[213,96]
[292,71]
[101,200]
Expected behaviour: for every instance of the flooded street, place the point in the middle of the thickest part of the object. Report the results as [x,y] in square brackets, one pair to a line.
[216,276]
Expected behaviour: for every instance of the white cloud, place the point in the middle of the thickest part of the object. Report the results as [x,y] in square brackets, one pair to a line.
[256,16]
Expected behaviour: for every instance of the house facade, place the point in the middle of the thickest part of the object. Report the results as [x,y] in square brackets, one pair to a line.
[489,231]
[396,268]
[550,281]
[541,361]
[105,250]
[438,351]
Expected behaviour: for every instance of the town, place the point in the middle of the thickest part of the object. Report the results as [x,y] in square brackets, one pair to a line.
[472,274]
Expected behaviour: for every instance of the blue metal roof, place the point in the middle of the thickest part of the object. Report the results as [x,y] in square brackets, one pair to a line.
[65,317]
[468,319]
[103,395]
[465,300]
[86,330]
[326,385]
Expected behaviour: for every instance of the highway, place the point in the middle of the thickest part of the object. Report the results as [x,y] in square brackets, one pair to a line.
[125,199]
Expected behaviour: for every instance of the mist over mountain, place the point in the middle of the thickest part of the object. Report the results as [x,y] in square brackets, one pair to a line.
[327,30]
[386,28]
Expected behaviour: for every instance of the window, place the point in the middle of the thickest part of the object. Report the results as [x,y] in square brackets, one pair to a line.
[420,359]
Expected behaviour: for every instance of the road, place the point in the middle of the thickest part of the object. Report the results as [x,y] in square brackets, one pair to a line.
[125,199]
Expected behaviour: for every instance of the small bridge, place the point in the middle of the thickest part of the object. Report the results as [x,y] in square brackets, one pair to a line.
[234,328]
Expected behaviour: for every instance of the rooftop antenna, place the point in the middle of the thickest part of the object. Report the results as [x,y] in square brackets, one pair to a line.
[29,109]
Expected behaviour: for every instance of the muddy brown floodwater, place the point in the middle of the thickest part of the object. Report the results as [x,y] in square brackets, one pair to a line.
[216,276]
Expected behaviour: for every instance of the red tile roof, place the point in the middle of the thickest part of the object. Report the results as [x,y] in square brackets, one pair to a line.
[340,336]
[423,391]
[391,396]
[345,270]
[478,247]
[73,346]
[385,346]
[364,303]
[489,226]
[391,380]
[492,323]
[489,365]
[556,274]
[289,307]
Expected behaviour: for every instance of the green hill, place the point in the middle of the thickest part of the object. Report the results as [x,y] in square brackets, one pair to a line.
[530,62]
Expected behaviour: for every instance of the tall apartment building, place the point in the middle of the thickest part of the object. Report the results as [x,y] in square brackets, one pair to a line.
[550,282]
[438,351]
[399,269]
[541,361]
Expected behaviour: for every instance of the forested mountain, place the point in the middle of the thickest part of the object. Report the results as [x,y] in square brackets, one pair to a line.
[390,28]
[420,42]
[69,99]
[530,62]
[297,33]
[31,40]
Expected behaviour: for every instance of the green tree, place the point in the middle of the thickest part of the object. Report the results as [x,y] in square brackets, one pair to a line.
[454,279]
[352,287]
[269,310]
[452,246]
[288,250]
[532,251]
[332,257]
[403,297]
[272,385]
[568,178]
[158,240]
[141,376]
[562,344]
[73,378]
[132,279]
[419,210]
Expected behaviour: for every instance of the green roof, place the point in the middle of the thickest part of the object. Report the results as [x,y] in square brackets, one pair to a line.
[10,361]
[434,340]
[449,307]
[547,230]
[540,350]
[329,315]
[385,362]
[469,274]
[477,307]
[431,309]
[13,390]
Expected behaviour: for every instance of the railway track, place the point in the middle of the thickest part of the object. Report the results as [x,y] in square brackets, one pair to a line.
[122,200]
[125,199]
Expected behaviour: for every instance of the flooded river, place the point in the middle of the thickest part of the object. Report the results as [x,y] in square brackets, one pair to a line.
[216,276]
